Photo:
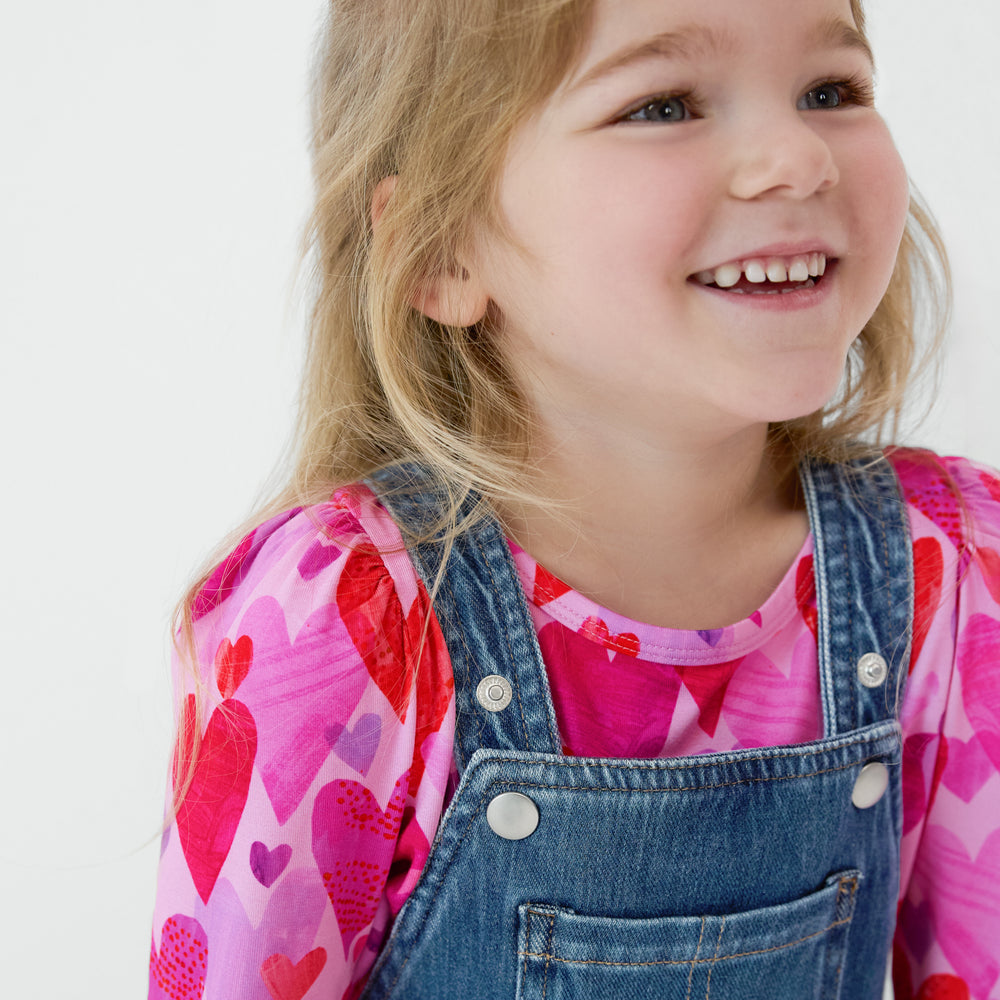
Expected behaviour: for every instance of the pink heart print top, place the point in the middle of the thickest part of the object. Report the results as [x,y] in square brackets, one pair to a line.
[326,759]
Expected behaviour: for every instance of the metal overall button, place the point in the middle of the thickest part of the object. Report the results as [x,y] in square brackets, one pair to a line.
[494,693]
[872,670]
[512,816]
[870,785]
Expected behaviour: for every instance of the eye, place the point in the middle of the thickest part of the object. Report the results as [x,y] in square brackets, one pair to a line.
[827,96]
[835,94]
[660,110]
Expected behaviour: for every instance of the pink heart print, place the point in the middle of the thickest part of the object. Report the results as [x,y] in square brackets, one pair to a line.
[358,746]
[210,813]
[267,865]
[978,662]
[353,842]
[177,971]
[968,887]
[320,554]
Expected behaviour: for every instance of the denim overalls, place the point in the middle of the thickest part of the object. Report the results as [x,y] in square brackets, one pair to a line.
[763,873]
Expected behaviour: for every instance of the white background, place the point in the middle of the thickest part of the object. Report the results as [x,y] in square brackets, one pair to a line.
[154,184]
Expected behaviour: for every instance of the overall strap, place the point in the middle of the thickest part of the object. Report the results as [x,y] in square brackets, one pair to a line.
[501,690]
[864,589]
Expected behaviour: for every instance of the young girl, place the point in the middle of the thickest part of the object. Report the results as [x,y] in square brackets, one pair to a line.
[589,653]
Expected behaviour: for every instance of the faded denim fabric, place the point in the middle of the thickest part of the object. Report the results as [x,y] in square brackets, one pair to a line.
[748,874]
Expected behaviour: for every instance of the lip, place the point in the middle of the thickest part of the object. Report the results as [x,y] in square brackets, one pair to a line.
[785,249]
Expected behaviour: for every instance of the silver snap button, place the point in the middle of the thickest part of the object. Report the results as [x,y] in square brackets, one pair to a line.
[872,670]
[494,693]
[870,785]
[512,816]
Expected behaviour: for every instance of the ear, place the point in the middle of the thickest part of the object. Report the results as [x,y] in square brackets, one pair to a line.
[454,298]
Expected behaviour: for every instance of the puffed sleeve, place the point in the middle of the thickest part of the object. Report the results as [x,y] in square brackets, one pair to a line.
[327,721]
[948,933]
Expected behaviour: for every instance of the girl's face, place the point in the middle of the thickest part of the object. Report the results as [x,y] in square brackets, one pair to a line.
[697,144]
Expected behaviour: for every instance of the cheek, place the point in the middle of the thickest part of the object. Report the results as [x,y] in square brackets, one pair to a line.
[883,199]
[616,206]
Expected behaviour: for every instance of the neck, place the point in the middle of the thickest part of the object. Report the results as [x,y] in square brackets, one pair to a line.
[690,536]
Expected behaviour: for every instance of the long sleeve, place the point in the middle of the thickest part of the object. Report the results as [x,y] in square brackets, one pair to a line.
[326,734]
[948,934]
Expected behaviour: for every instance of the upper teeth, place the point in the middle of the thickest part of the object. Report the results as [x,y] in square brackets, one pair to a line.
[801,267]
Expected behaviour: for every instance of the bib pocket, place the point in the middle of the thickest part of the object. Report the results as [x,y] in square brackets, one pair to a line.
[792,951]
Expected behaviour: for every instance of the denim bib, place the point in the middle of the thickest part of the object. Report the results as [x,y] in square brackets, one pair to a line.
[756,874]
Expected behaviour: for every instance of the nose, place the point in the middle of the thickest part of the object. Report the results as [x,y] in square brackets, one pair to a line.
[787,157]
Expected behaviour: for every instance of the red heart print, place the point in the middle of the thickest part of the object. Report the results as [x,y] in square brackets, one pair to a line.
[707,685]
[435,682]
[547,587]
[370,609]
[353,842]
[805,593]
[989,563]
[943,987]
[928,487]
[597,629]
[285,981]
[992,485]
[928,573]
[177,972]
[232,664]
[210,813]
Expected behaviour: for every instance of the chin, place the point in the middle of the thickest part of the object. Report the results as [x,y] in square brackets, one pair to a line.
[805,387]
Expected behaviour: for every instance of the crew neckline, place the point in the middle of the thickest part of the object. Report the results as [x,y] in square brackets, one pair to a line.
[617,633]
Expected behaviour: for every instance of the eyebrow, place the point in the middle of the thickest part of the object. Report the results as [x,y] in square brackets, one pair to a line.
[698,39]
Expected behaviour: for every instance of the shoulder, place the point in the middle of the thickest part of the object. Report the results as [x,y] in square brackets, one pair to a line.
[299,550]
[316,581]
[954,499]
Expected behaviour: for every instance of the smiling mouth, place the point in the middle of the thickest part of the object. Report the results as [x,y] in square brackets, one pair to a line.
[767,276]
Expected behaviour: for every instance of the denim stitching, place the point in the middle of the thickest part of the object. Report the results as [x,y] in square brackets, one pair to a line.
[548,961]
[715,958]
[547,954]
[888,589]
[653,791]
[571,762]
[527,938]
[892,681]
[852,883]
[699,961]
[459,726]
[504,623]
[854,721]
[701,934]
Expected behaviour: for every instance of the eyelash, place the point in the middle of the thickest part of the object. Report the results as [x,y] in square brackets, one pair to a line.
[855,90]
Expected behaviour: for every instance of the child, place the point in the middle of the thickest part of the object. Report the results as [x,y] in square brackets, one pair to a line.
[706,700]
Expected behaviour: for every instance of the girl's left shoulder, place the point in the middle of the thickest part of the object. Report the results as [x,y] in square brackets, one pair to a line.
[949,496]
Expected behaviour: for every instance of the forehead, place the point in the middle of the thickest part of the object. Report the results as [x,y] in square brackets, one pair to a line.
[630,29]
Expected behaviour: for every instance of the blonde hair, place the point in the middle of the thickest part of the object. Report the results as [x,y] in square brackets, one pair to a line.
[431,91]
